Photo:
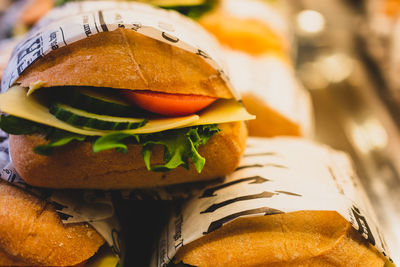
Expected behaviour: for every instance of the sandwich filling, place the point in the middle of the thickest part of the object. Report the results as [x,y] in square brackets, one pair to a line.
[109,119]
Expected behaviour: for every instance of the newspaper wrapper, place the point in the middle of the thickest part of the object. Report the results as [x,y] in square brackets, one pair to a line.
[272,80]
[275,176]
[78,20]
[73,206]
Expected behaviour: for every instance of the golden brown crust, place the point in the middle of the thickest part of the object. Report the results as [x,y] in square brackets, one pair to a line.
[268,122]
[128,60]
[305,238]
[32,232]
[76,166]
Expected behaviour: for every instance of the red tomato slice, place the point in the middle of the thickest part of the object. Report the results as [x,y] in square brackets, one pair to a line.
[168,104]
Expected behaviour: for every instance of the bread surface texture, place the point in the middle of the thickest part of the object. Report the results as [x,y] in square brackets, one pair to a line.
[76,166]
[32,234]
[127,60]
[304,238]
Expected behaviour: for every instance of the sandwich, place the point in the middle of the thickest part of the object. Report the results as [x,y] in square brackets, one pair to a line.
[270,91]
[120,109]
[256,45]
[251,26]
[303,238]
[32,234]
[291,202]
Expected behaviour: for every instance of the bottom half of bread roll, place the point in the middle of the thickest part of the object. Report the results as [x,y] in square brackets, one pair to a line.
[32,234]
[77,166]
[303,238]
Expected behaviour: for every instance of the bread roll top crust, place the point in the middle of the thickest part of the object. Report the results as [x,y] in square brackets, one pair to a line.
[127,60]
[32,234]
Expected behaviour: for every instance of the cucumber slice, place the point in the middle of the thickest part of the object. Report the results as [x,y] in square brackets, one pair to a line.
[81,118]
[97,101]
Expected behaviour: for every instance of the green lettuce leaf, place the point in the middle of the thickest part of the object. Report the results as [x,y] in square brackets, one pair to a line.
[57,138]
[175,151]
[180,145]
[113,140]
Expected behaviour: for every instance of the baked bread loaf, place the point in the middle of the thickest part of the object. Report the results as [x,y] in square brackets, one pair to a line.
[32,234]
[304,238]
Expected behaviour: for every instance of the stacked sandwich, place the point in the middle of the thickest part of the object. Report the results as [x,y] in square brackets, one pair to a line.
[94,102]
[257,42]
[105,95]
[291,202]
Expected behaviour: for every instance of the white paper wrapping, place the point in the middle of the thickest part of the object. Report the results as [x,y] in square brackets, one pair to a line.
[75,21]
[275,176]
[273,81]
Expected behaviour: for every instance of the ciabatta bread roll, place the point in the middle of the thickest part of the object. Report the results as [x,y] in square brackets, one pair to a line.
[32,234]
[121,109]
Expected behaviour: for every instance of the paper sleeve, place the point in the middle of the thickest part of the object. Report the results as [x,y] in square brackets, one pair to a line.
[78,20]
[275,176]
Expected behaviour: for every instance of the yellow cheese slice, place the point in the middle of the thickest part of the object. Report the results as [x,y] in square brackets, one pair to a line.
[223,110]
[16,102]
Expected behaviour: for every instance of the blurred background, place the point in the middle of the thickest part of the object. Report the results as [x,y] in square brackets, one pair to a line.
[347,56]
[347,60]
